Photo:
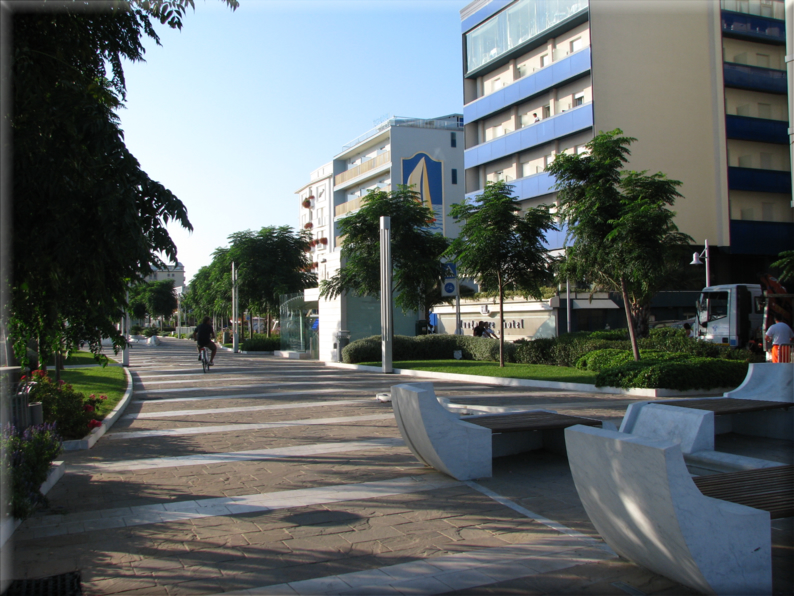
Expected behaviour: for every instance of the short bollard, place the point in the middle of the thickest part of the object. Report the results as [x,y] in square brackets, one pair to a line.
[35,414]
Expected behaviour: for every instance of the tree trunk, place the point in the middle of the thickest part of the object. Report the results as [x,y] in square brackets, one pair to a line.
[501,322]
[629,320]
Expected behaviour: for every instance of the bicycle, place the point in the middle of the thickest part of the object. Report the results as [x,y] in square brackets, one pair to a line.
[205,358]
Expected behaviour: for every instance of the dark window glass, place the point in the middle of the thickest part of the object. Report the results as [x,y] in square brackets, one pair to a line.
[454,139]
[454,176]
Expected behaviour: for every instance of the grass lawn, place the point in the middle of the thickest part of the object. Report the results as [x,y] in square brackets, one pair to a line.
[535,372]
[84,357]
[109,381]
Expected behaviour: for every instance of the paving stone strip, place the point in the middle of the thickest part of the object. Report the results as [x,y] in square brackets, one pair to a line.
[171,413]
[438,575]
[251,386]
[85,521]
[200,430]
[233,456]
[261,394]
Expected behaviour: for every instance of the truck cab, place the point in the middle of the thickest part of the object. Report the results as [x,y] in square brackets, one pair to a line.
[731,314]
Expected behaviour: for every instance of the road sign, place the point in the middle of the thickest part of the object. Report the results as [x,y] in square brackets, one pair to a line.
[450,287]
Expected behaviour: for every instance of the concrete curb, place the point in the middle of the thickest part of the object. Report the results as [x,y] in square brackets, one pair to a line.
[90,440]
[582,387]
[9,525]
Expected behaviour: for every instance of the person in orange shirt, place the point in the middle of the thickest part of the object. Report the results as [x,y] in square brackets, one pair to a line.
[780,336]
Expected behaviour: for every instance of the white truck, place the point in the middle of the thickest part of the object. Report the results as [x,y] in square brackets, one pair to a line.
[737,314]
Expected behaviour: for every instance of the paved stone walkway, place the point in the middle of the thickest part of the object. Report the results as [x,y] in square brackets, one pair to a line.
[272,476]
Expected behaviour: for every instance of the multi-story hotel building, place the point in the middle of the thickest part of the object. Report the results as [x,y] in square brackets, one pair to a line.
[701,84]
[424,153]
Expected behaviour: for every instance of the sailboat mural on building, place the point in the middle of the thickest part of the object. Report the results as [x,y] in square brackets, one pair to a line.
[426,176]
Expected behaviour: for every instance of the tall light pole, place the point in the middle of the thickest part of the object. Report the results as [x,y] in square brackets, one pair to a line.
[235,337]
[386,313]
[696,260]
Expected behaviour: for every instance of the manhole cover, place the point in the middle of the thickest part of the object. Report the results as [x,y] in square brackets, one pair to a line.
[66,584]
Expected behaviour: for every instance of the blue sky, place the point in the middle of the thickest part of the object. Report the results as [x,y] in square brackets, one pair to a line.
[234,112]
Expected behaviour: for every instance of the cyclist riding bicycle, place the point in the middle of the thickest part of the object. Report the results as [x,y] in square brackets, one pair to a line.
[204,335]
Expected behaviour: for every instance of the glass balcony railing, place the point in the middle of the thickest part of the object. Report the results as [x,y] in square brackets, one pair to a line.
[755,78]
[514,26]
[773,9]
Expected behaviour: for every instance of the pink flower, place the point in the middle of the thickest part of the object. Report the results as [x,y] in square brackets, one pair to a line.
[91,396]
[23,378]
[103,397]
[61,382]
[94,424]
[88,408]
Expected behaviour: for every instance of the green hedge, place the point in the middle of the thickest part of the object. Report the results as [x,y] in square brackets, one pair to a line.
[428,347]
[683,374]
[261,344]
[599,360]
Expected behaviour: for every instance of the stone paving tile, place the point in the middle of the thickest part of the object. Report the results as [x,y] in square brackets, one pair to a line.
[316,542]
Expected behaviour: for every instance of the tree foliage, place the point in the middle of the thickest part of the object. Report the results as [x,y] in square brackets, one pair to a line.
[415,251]
[271,262]
[502,248]
[88,221]
[786,263]
[623,233]
[157,298]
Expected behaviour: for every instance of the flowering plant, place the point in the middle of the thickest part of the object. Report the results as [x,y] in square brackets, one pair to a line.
[26,459]
[61,404]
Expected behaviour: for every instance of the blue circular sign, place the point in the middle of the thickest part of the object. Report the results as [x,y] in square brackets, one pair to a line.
[449,288]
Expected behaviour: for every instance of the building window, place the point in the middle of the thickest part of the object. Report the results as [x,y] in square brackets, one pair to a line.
[544,60]
[454,176]
[764,110]
[453,139]
[576,45]
[578,100]
[743,110]
[768,211]
[547,111]
[522,71]
[762,60]
[745,161]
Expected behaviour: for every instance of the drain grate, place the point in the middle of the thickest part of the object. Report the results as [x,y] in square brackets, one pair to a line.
[65,584]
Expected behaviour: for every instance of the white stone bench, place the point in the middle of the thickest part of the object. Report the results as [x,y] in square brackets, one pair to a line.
[761,406]
[642,500]
[464,447]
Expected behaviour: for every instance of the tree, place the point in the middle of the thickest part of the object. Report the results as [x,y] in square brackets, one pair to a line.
[624,237]
[502,248]
[155,297]
[415,251]
[88,221]
[271,262]
[786,263]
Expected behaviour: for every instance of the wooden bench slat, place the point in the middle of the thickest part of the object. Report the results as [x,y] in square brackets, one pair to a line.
[769,489]
[527,421]
[727,405]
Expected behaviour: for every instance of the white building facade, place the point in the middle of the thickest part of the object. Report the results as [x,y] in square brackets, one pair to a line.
[424,153]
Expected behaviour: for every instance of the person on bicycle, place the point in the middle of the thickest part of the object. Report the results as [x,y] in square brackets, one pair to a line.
[204,335]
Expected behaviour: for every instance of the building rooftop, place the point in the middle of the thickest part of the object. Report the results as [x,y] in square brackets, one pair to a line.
[450,121]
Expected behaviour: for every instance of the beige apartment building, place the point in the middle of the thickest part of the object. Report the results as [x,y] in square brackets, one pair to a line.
[701,84]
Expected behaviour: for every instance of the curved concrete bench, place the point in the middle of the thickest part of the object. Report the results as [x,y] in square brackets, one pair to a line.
[464,448]
[437,437]
[642,500]
[769,387]
[767,381]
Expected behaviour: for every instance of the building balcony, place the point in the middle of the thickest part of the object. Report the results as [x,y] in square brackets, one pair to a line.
[554,75]
[761,237]
[758,180]
[363,168]
[761,130]
[528,187]
[566,123]
[753,28]
[354,204]
[755,78]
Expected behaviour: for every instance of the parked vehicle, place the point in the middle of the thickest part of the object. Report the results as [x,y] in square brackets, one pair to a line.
[738,314]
